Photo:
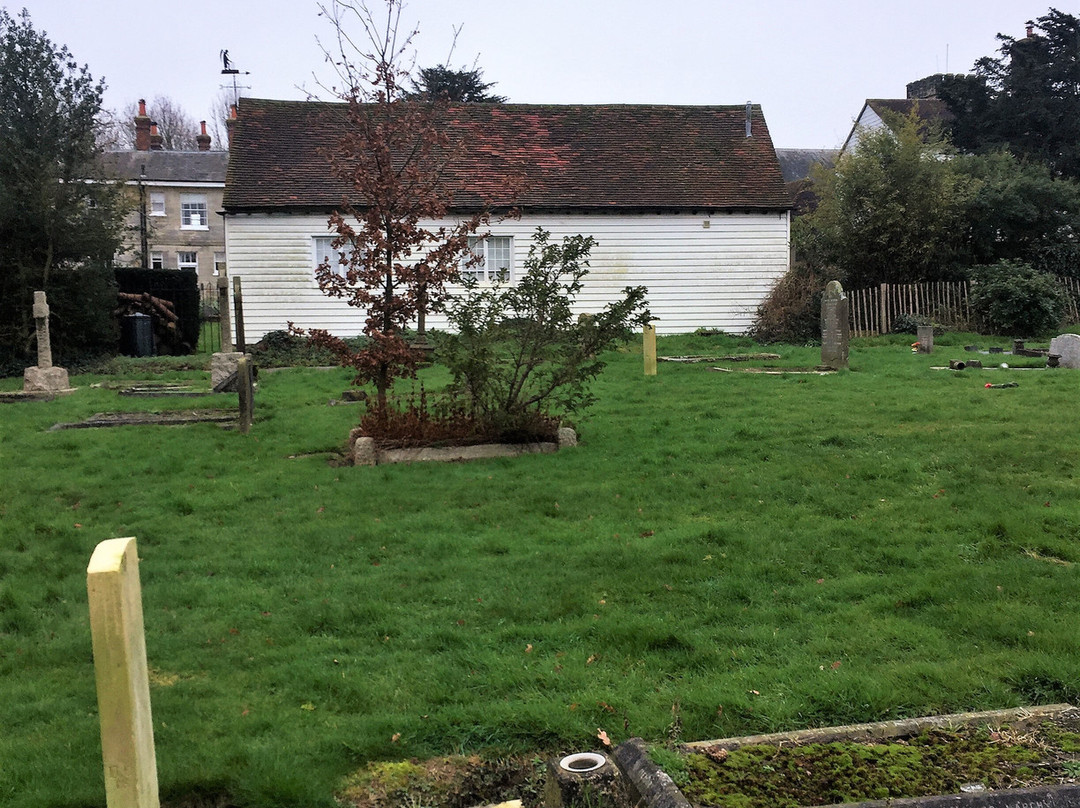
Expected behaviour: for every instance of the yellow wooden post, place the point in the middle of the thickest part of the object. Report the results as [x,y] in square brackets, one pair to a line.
[649,348]
[123,686]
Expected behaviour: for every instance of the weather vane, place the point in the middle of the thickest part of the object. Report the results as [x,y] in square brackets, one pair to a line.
[227,69]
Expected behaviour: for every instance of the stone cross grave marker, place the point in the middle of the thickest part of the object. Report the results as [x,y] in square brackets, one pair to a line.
[835,327]
[1067,348]
[44,378]
[41,322]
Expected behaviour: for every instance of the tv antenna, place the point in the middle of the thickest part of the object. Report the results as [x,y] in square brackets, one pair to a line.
[227,69]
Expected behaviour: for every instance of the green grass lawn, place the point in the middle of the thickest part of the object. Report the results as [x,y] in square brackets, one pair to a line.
[756,552]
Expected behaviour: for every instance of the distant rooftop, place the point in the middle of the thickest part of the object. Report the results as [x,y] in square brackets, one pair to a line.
[795,164]
[168,166]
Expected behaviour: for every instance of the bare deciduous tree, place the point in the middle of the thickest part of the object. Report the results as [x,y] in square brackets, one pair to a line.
[176,127]
[396,155]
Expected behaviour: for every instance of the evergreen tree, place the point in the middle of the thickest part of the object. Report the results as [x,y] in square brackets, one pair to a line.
[56,210]
[1027,99]
[456,86]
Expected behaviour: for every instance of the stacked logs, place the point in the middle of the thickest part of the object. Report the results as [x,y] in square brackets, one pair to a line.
[163,316]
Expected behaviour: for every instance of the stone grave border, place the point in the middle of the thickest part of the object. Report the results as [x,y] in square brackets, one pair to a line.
[363,452]
[167,418]
[651,787]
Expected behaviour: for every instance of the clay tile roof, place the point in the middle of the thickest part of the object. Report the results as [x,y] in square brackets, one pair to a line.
[579,157]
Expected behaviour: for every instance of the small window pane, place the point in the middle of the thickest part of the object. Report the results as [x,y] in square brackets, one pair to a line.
[157,260]
[157,203]
[193,212]
[324,251]
[496,253]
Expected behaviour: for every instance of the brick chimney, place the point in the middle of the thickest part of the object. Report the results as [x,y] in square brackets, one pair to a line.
[230,122]
[142,128]
[203,139]
[157,142]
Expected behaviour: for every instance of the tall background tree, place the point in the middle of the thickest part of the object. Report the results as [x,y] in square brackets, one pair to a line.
[176,127]
[1027,98]
[462,86]
[57,211]
[891,211]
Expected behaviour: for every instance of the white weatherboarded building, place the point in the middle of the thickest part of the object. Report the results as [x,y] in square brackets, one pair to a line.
[687,201]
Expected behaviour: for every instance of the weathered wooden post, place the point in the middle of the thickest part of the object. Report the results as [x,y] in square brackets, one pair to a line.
[123,686]
[883,324]
[245,386]
[223,315]
[238,311]
[648,337]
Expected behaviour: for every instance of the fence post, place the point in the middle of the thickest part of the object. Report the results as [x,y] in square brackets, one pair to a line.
[123,685]
[648,344]
[223,313]
[238,311]
[246,390]
[883,326]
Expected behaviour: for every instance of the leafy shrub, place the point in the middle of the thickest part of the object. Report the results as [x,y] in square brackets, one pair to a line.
[1012,298]
[290,349]
[518,349]
[909,323]
[792,311]
[415,422]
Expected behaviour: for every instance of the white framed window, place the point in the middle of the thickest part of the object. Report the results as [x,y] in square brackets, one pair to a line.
[323,250]
[219,264]
[187,260]
[193,212]
[497,259]
[157,203]
[157,260]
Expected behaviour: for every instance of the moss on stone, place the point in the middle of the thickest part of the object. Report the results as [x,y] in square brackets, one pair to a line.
[935,762]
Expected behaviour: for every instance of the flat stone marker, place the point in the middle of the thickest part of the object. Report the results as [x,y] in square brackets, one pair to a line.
[835,327]
[1067,348]
[123,684]
[44,378]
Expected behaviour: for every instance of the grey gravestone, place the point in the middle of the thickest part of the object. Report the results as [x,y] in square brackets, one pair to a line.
[44,378]
[1066,348]
[926,338]
[223,367]
[835,327]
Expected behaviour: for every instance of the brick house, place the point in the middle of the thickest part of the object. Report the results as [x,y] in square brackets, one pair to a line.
[178,195]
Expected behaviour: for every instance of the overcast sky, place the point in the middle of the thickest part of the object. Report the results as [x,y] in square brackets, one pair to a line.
[809,63]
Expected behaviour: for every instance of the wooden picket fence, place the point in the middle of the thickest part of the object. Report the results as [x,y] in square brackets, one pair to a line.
[876,309]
